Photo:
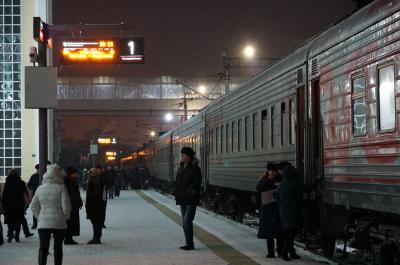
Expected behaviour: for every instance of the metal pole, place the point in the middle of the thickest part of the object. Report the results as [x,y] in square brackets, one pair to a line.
[185,107]
[43,138]
[226,80]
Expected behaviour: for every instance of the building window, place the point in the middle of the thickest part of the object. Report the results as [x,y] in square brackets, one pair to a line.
[255,136]
[272,125]
[263,126]
[10,86]
[283,109]
[292,122]
[239,135]
[387,107]
[246,132]
[358,106]
[227,138]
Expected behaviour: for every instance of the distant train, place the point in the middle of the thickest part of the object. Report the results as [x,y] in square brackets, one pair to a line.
[332,109]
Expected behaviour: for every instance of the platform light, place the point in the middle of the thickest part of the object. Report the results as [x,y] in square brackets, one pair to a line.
[249,51]
[104,140]
[202,89]
[109,153]
[152,133]
[110,158]
[168,117]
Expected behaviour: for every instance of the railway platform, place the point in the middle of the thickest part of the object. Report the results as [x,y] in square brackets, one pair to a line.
[144,227]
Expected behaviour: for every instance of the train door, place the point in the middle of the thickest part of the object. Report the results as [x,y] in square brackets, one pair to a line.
[300,130]
[316,130]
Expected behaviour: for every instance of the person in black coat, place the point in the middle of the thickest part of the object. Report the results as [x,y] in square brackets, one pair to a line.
[269,227]
[71,183]
[13,200]
[288,198]
[33,184]
[95,197]
[187,192]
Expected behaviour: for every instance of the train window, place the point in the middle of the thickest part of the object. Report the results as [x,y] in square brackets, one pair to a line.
[222,140]
[283,105]
[212,141]
[359,109]
[233,136]
[264,117]
[239,134]
[292,122]
[246,133]
[216,139]
[209,142]
[272,125]
[227,139]
[387,107]
[255,136]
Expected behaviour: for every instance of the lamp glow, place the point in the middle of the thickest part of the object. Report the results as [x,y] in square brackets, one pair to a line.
[202,89]
[168,117]
[249,52]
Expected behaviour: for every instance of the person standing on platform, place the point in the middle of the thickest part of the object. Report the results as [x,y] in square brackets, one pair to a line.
[269,227]
[187,192]
[33,184]
[118,181]
[111,177]
[288,197]
[51,205]
[95,199]
[13,200]
[143,173]
[24,223]
[71,182]
[101,172]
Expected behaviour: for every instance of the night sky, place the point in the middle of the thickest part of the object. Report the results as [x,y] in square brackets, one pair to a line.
[186,38]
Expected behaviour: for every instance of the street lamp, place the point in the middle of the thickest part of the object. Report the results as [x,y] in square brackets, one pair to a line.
[168,117]
[202,89]
[249,52]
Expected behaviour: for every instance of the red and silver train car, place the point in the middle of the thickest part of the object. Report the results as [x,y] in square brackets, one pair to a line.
[332,109]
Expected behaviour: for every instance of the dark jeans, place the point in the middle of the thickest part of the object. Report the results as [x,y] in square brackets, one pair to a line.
[14,230]
[288,241]
[97,224]
[25,227]
[188,213]
[34,222]
[45,236]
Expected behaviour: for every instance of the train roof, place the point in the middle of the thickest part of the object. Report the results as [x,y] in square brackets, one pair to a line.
[353,24]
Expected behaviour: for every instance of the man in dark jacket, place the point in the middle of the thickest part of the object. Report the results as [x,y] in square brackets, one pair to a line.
[71,183]
[288,197]
[33,184]
[269,226]
[101,172]
[187,192]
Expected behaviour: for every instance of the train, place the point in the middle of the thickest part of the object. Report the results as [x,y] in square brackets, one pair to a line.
[332,109]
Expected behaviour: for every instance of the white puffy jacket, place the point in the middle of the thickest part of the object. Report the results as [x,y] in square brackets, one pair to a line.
[51,204]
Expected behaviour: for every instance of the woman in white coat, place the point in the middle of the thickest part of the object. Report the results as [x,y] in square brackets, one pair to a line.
[51,205]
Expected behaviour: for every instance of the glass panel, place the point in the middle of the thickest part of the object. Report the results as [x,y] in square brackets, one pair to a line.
[359,116]
[292,122]
[216,140]
[359,85]
[239,135]
[227,139]
[272,125]
[246,133]
[387,108]
[263,127]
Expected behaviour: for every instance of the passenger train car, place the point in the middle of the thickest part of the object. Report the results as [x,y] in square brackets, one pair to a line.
[332,109]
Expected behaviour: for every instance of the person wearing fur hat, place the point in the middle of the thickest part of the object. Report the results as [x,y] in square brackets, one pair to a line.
[71,182]
[187,192]
[51,205]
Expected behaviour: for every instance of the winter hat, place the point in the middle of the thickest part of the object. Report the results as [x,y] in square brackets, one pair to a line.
[188,151]
[71,170]
[53,172]
[272,166]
